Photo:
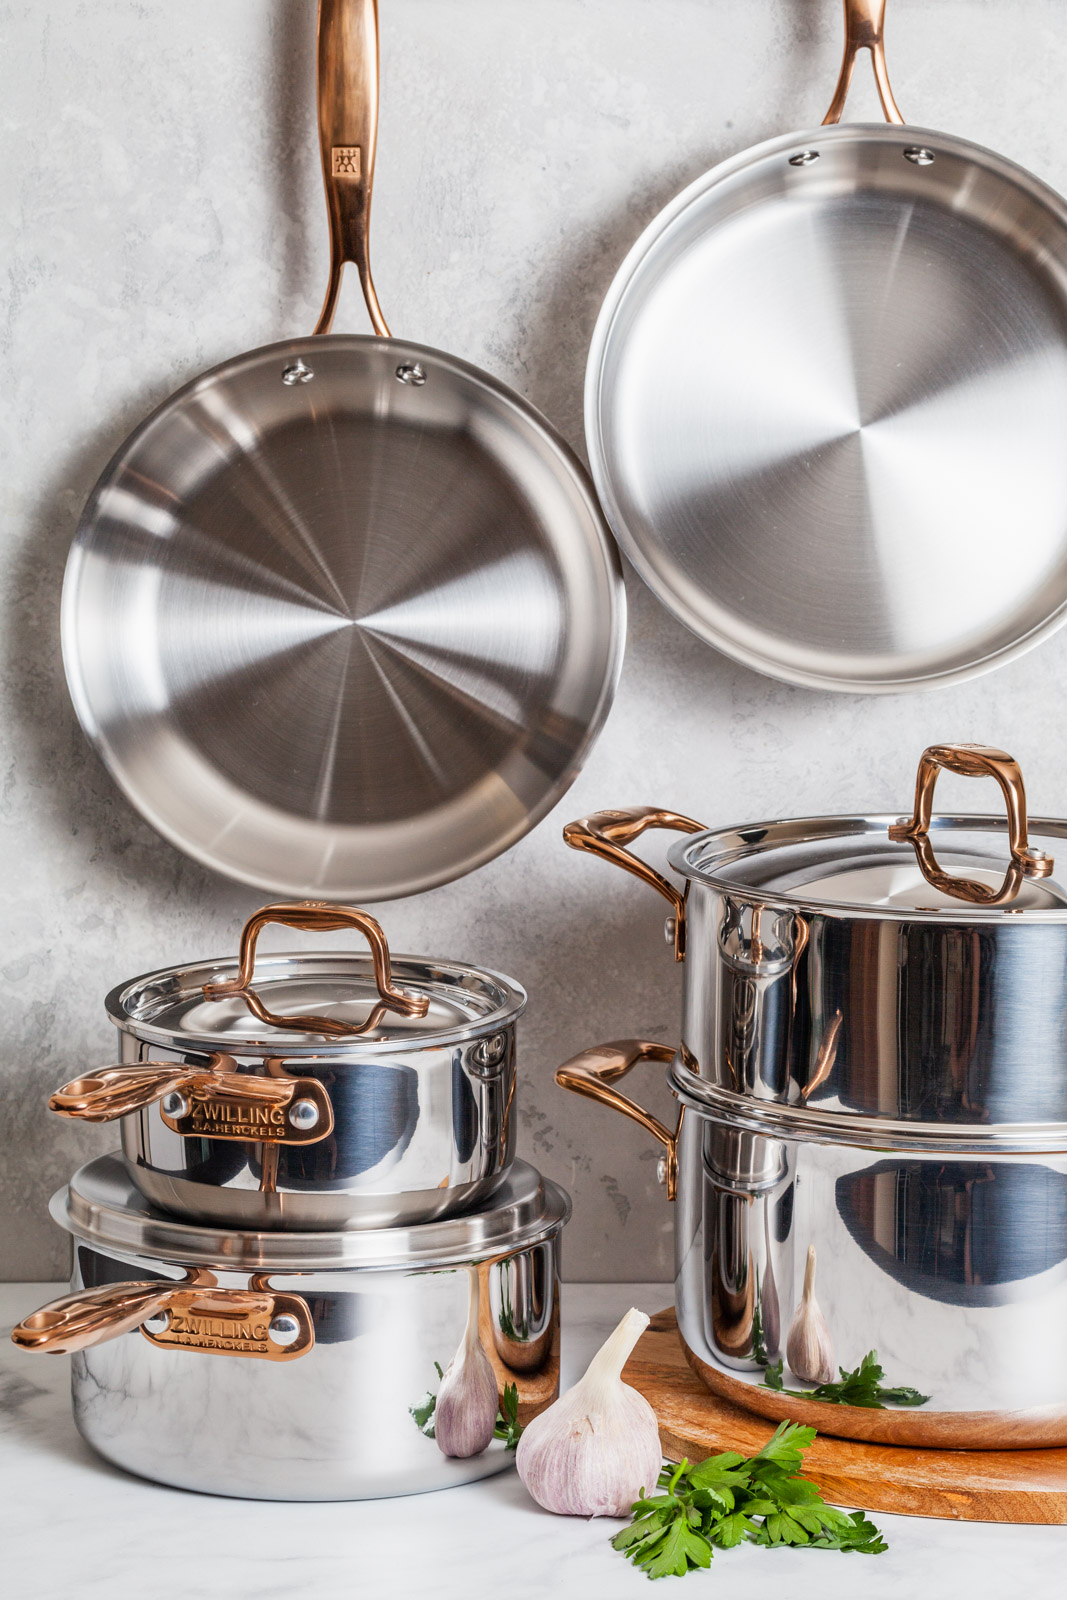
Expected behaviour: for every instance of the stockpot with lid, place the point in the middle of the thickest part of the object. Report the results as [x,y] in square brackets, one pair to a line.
[297,1366]
[311,1091]
[873,1063]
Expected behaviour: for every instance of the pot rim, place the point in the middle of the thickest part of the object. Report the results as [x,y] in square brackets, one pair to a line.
[747,840]
[413,972]
[101,1206]
[809,1125]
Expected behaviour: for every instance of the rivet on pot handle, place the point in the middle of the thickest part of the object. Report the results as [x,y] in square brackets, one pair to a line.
[864,30]
[255,1323]
[314,916]
[607,833]
[592,1073]
[972,761]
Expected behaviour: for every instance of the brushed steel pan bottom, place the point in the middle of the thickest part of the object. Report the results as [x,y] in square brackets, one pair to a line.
[827,408]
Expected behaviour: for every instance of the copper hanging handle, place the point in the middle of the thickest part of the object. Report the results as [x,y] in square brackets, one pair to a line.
[972,761]
[315,916]
[592,1073]
[607,833]
[864,30]
[348,137]
[263,1325]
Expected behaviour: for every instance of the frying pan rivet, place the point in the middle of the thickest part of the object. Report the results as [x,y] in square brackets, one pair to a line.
[159,1323]
[670,928]
[661,1170]
[919,155]
[803,158]
[303,1114]
[285,1329]
[411,372]
[298,372]
[175,1104]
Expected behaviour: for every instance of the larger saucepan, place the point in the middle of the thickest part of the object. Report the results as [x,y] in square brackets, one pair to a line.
[343,617]
[873,1061]
[315,1091]
[826,382]
[335,1337]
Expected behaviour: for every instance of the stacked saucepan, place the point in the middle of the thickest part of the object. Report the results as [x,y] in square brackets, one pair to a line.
[871,1151]
[316,1176]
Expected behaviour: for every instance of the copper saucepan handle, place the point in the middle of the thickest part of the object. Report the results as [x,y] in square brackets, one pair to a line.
[607,833]
[592,1073]
[114,1092]
[972,761]
[251,1322]
[348,137]
[864,30]
[315,917]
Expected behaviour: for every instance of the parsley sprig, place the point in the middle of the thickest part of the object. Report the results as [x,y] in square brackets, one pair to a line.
[507,1427]
[729,1500]
[861,1387]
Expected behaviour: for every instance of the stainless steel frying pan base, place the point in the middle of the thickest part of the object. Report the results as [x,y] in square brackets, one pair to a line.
[827,408]
[343,617]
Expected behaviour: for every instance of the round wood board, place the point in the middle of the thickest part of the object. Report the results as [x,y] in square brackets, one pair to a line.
[967,1485]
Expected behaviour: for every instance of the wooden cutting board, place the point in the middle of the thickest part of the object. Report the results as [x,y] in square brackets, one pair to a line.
[969,1485]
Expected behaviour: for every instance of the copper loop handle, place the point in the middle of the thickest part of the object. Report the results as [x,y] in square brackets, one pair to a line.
[607,833]
[198,1316]
[864,30]
[114,1092]
[348,76]
[972,761]
[593,1071]
[315,916]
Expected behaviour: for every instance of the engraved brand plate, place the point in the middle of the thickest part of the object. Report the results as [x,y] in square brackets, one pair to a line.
[347,162]
[235,1322]
[269,1110]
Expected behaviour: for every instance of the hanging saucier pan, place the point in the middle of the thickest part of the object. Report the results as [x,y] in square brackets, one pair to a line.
[827,396]
[342,616]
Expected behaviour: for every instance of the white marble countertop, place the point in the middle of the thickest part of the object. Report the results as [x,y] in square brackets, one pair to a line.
[80,1529]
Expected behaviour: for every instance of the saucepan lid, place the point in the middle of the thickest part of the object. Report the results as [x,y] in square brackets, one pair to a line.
[102,1206]
[315,1002]
[959,866]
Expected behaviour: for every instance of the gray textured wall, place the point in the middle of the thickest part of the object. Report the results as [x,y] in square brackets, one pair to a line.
[160,209]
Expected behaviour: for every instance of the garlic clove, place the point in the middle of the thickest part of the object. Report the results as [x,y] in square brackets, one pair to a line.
[809,1349]
[468,1399]
[593,1451]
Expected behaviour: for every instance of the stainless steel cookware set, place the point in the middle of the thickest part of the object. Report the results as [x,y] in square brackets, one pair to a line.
[343,618]
[316,1176]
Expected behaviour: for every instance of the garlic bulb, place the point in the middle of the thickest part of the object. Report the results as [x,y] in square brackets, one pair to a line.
[809,1349]
[593,1451]
[467,1401]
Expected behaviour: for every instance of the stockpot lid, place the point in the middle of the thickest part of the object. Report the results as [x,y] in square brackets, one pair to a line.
[956,866]
[102,1206]
[317,1003]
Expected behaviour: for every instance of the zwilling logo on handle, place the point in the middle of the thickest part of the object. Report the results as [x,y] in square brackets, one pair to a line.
[347,162]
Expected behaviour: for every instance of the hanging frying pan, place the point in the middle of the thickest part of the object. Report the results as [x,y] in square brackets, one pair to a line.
[826,402]
[342,616]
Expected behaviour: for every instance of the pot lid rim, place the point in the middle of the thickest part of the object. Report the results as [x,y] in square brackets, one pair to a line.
[408,970]
[532,1209]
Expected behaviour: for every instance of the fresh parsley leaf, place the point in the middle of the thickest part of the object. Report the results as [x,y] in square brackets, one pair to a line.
[423,1415]
[507,1418]
[861,1387]
[729,1500]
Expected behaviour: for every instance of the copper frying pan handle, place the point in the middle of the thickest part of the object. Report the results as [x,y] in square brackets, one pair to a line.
[972,761]
[592,1073]
[316,917]
[348,138]
[607,833]
[864,30]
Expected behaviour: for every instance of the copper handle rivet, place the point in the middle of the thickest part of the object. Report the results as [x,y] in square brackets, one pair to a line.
[175,1104]
[158,1323]
[919,155]
[298,372]
[304,1114]
[285,1329]
[803,158]
[670,928]
[411,372]
[661,1170]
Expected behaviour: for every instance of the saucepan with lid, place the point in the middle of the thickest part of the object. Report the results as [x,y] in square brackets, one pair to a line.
[339,1339]
[311,1091]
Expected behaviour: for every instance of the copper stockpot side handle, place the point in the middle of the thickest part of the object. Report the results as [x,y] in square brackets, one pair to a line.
[972,761]
[607,833]
[316,917]
[114,1092]
[256,1323]
[592,1073]
[864,30]
[348,78]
